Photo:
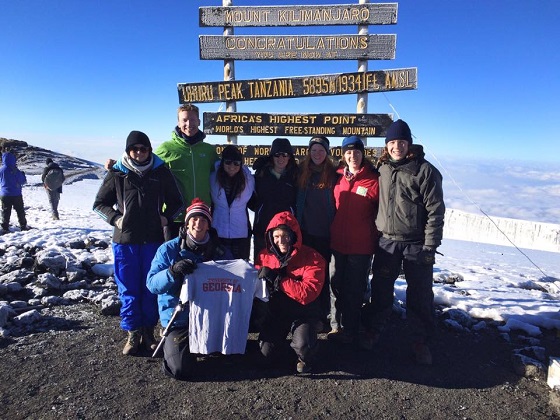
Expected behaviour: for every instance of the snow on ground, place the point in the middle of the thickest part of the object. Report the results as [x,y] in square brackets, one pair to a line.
[492,282]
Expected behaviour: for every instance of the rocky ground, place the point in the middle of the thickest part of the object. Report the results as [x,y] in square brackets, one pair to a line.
[71,366]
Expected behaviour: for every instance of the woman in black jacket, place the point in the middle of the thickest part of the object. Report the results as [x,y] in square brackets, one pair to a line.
[146,198]
[275,188]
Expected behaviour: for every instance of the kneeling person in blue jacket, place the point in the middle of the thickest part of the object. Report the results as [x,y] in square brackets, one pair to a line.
[176,258]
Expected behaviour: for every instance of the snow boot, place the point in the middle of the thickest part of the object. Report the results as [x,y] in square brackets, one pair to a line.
[422,353]
[148,340]
[132,343]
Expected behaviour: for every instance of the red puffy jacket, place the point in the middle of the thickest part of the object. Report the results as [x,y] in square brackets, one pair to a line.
[353,231]
[305,274]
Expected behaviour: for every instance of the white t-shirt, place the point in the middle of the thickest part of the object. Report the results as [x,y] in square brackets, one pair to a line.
[220,296]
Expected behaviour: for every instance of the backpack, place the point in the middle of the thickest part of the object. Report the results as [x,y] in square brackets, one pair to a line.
[54,179]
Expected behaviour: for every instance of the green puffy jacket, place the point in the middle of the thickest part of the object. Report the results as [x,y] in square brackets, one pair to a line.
[191,165]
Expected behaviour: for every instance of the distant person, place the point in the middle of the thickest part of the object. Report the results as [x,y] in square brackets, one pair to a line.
[11,181]
[275,188]
[53,178]
[295,274]
[410,219]
[131,199]
[197,242]
[190,159]
[232,185]
[316,207]
[353,239]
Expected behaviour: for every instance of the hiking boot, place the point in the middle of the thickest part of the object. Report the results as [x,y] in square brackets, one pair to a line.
[55,217]
[148,340]
[303,367]
[422,353]
[132,343]
[341,336]
[368,340]
[24,227]
[3,231]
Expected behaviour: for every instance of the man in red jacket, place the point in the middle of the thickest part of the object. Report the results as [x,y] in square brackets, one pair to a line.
[294,274]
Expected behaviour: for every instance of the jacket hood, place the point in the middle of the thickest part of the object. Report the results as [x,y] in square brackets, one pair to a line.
[8,159]
[284,218]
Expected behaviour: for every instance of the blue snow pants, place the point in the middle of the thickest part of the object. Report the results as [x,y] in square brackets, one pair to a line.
[138,305]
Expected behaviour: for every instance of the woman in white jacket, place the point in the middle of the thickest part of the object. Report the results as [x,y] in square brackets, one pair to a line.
[231,187]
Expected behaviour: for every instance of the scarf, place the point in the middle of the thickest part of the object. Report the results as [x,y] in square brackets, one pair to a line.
[138,168]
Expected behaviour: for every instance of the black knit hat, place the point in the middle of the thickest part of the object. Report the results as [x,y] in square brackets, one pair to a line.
[281,145]
[399,130]
[137,137]
[231,152]
[48,161]
[322,140]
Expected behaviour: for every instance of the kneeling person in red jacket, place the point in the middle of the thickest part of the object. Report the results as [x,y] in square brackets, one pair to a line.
[294,274]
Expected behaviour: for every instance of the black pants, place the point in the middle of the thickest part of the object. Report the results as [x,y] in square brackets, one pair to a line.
[15,201]
[178,362]
[285,316]
[349,277]
[389,258]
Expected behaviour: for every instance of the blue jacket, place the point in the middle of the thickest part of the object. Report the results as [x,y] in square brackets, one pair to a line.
[161,282]
[11,178]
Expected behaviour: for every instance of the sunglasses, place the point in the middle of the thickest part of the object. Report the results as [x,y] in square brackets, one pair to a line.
[232,162]
[280,154]
[140,149]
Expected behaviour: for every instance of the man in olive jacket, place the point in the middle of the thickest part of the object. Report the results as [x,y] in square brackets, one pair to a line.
[410,219]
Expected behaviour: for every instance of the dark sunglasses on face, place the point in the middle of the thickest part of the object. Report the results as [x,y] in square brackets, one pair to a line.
[280,154]
[140,149]
[232,162]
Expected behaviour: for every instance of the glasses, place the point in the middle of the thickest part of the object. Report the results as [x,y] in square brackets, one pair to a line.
[140,149]
[280,154]
[232,162]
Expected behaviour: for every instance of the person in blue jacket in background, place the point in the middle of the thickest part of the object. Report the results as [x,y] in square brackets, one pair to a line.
[11,181]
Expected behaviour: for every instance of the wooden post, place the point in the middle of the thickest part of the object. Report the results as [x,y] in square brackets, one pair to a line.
[362,98]
[229,74]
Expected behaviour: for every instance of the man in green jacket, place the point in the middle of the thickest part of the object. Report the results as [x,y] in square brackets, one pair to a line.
[190,160]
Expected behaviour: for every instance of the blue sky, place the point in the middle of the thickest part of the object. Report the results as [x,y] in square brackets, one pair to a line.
[77,77]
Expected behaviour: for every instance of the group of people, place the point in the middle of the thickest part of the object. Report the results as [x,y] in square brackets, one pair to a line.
[12,179]
[315,232]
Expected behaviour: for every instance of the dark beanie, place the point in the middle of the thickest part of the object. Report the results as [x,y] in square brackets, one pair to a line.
[231,152]
[281,145]
[399,130]
[49,161]
[323,141]
[137,137]
[351,143]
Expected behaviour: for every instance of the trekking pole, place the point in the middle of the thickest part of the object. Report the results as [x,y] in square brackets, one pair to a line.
[178,309]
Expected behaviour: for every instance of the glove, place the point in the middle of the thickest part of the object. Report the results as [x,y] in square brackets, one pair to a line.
[118,222]
[272,278]
[427,256]
[181,268]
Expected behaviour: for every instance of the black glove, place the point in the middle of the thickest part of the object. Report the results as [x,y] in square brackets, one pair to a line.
[181,268]
[427,256]
[272,278]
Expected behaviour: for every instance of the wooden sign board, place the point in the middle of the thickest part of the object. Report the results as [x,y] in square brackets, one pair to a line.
[340,14]
[251,153]
[298,87]
[286,125]
[297,47]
